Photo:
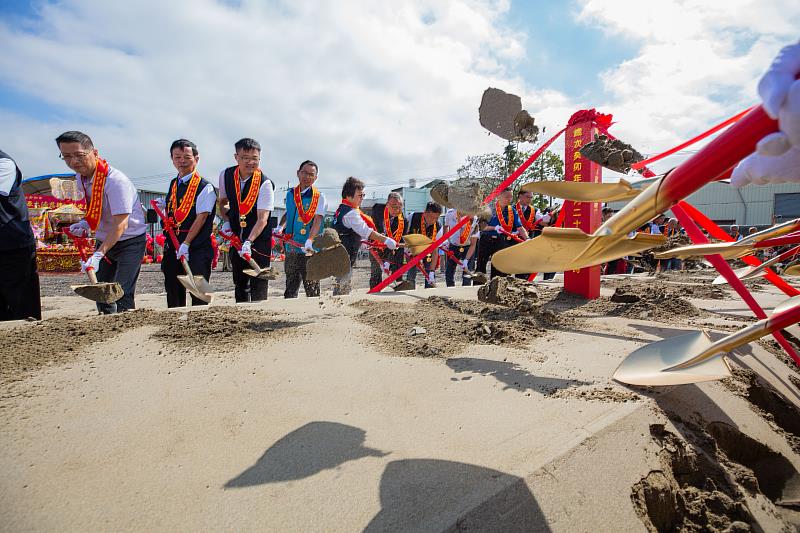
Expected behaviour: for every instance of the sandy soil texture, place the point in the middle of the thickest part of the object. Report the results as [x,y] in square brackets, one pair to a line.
[427,410]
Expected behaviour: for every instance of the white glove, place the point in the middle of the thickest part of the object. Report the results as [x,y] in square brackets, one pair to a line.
[465,264]
[308,246]
[278,231]
[546,219]
[390,243]
[431,278]
[80,229]
[93,262]
[777,154]
[183,251]
[780,93]
[386,265]
[161,203]
[760,169]
[246,249]
[226,228]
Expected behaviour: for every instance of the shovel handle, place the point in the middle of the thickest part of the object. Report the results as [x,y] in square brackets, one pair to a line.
[235,241]
[776,322]
[503,231]
[288,240]
[78,243]
[718,156]
[167,225]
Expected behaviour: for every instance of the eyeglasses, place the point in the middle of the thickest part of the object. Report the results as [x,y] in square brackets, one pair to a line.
[244,159]
[308,174]
[361,195]
[75,156]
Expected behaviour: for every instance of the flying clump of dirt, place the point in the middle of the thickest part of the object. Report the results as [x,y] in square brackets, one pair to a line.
[464,195]
[611,153]
[501,113]
[332,260]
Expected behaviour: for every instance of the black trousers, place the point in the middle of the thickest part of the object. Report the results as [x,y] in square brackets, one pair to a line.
[294,267]
[124,261]
[248,288]
[19,284]
[488,244]
[199,262]
[393,257]
[450,265]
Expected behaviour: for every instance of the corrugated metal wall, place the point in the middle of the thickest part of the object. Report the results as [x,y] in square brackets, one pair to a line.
[749,206]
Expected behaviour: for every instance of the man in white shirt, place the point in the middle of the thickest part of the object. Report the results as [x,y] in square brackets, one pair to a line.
[246,200]
[19,283]
[463,244]
[305,209]
[190,204]
[353,226]
[113,212]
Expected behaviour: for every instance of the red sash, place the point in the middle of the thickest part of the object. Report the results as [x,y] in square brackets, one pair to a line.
[95,207]
[187,201]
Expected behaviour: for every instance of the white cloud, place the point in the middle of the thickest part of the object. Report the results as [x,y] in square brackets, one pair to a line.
[363,88]
[383,91]
[698,62]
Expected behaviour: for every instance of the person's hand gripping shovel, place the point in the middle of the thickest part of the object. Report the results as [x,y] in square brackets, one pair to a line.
[198,286]
[373,247]
[101,292]
[256,271]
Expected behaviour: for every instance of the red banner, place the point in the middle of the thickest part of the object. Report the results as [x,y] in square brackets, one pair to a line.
[583,215]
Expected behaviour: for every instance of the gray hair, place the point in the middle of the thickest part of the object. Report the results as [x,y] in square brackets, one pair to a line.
[396,196]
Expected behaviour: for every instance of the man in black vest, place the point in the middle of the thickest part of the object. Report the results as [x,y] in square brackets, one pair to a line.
[246,199]
[391,212]
[426,223]
[190,203]
[19,283]
[353,226]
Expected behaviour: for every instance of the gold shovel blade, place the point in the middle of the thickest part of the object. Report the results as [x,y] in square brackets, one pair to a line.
[197,287]
[787,304]
[728,250]
[105,293]
[793,270]
[416,243]
[647,365]
[562,249]
[582,191]
[741,273]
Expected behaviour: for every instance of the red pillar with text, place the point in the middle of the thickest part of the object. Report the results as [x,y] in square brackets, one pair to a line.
[582,215]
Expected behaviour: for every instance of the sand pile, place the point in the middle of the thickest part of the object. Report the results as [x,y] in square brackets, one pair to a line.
[613,154]
[441,327]
[56,340]
[509,291]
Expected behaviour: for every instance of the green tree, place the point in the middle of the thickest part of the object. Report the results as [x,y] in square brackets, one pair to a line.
[491,169]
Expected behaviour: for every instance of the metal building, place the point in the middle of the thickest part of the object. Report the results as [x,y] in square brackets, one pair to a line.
[754,205]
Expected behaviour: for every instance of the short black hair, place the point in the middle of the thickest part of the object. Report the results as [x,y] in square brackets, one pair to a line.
[247,144]
[75,137]
[351,187]
[308,162]
[184,143]
[433,207]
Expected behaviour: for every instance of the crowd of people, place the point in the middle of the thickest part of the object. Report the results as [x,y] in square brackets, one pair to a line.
[245,202]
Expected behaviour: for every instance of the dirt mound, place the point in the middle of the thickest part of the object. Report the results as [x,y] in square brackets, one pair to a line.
[641,301]
[449,325]
[509,291]
[53,341]
[603,394]
[613,154]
